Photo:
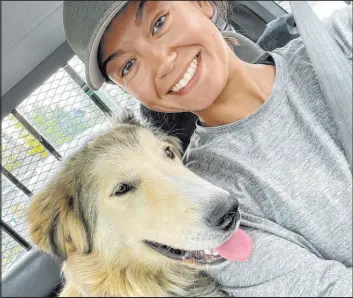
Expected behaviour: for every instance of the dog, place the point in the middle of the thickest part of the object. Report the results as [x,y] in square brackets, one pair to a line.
[127,218]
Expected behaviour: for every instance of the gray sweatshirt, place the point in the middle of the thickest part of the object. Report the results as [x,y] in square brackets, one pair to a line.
[286,166]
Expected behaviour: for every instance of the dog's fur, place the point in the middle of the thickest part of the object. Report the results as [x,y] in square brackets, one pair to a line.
[99,236]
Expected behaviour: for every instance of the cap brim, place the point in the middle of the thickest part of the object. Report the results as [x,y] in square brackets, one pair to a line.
[94,77]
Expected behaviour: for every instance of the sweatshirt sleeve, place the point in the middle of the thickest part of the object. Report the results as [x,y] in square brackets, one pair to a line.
[281,268]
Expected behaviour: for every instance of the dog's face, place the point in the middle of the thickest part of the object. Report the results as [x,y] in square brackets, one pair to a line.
[127,195]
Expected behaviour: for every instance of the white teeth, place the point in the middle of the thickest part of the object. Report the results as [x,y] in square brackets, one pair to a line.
[187,76]
[208,252]
[183,82]
[215,253]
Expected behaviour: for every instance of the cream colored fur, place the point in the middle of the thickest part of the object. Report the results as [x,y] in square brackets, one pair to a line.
[99,236]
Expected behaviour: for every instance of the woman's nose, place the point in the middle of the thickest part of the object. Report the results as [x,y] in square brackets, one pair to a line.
[166,62]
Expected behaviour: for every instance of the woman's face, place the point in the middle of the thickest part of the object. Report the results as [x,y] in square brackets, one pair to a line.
[167,54]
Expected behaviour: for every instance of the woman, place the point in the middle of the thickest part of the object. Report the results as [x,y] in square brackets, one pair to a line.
[265,132]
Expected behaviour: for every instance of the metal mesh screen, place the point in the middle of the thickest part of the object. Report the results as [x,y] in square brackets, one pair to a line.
[113,96]
[23,155]
[65,116]
[62,112]
[14,204]
[11,251]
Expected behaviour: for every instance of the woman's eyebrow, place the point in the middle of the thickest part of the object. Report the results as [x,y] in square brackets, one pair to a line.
[139,13]
[111,57]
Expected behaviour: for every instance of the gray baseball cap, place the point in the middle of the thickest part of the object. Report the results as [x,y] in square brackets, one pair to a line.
[84,25]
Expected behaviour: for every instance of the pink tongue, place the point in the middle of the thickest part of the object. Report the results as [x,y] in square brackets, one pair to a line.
[238,248]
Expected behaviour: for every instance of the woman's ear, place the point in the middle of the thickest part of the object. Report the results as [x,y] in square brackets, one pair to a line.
[206,7]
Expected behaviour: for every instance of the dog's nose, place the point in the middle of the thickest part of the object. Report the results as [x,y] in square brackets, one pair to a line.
[224,218]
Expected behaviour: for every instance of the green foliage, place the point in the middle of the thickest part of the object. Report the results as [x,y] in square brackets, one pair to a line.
[35,147]
[59,126]
[12,255]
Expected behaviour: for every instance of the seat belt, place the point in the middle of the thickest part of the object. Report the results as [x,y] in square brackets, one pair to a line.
[332,67]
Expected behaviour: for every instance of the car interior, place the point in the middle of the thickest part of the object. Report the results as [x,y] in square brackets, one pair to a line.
[27,272]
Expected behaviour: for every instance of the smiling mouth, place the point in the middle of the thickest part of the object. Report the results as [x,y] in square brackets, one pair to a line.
[201,257]
[237,247]
[188,75]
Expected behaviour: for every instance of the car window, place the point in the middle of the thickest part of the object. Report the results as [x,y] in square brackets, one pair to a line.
[60,114]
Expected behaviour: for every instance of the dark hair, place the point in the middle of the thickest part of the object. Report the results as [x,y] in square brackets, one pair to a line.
[222,12]
[101,64]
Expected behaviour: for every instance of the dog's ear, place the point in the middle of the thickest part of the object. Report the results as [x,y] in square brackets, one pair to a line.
[176,144]
[56,224]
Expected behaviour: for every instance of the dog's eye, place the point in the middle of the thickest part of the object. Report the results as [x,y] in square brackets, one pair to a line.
[169,153]
[122,189]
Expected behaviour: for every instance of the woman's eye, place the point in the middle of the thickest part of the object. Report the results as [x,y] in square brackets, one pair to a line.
[169,153]
[159,24]
[127,67]
[122,189]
